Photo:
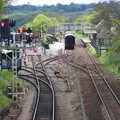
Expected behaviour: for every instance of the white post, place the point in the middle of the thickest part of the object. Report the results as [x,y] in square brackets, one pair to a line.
[14,38]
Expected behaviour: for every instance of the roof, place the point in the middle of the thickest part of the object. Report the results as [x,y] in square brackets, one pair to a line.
[90,31]
[85,40]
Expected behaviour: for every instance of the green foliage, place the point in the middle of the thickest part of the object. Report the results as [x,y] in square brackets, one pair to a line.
[91,48]
[116,22]
[109,12]
[42,23]
[6,78]
[87,19]
[2,84]
[4,101]
[112,58]
[59,8]
[2,3]
[6,75]
[4,81]
[21,18]
[17,15]
[62,13]
[44,41]
[115,50]
[58,16]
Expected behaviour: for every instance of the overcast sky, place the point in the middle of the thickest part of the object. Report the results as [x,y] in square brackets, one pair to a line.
[50,2]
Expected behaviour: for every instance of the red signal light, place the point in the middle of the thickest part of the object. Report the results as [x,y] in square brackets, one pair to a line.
[35,51]
[5,24]
[2,24]
[23,30]
[18,31]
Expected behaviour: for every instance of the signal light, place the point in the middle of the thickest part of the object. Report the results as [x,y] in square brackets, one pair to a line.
[18,30]
[35,51]
[7,23]
[2,24]
[23,30]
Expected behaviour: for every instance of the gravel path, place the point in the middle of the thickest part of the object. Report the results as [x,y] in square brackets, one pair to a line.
[27,107]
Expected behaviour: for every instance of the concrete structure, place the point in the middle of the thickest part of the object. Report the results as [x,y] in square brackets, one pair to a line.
[70,27]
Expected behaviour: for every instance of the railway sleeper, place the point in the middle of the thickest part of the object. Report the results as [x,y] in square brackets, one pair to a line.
[43,119]
[45,91]
[45,97]
[44,110]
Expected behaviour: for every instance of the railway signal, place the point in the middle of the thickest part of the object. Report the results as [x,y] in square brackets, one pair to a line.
[5,25]
[5,28]
[28,30]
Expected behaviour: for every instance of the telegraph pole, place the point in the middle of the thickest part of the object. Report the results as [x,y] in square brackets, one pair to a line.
[14,65]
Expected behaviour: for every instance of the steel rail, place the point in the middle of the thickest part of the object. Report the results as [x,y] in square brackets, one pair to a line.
[99,94]
[48,60]
[33,77]
[82,68]
[36,76]
[31,69]
[53,92]
[59,57]
[31,82]
[52,59]
[36,87]
[38,95]
[108,85]
[96,87]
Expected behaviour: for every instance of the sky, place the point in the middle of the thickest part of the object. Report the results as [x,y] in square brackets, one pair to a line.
[51,2]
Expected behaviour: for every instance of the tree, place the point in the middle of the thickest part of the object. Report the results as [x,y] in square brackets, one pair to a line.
[87,19]
[41,23]
[4,5]
[109,10]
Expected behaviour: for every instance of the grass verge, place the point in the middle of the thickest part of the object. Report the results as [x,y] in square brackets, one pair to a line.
[6,78]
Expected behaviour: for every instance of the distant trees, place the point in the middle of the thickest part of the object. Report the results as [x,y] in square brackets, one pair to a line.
[68,13]
[109,11]
[63,13]
[53,8]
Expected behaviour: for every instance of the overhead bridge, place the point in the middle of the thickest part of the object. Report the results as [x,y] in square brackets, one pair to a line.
[70,27]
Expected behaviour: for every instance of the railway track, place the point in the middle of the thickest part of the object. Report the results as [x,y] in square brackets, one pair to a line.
[44,108]
[110,103]
[63,87]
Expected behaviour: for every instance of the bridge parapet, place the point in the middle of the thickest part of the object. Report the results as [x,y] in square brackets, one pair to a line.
[70,28]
